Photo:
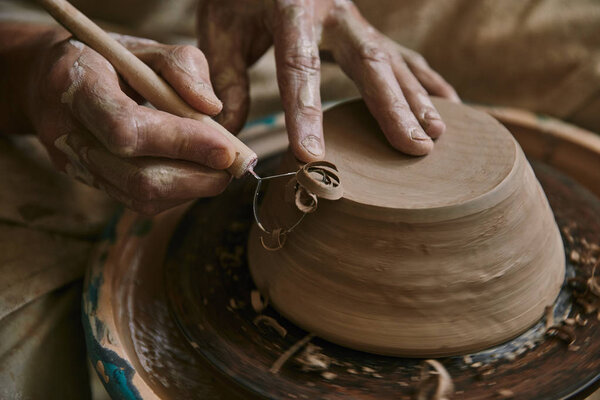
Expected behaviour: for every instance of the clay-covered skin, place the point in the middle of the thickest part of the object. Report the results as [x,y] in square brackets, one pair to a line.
[93,127]
[393,80]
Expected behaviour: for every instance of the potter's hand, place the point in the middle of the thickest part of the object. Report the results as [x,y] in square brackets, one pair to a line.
[394,81]
[94,130]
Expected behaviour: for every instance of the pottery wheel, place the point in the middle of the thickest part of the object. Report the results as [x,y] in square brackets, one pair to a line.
[208,287]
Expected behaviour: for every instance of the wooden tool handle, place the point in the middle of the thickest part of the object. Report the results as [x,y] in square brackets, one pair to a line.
[141,77]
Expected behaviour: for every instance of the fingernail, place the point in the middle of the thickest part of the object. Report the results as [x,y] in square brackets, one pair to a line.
[313,145]
[218,158]
[418,134]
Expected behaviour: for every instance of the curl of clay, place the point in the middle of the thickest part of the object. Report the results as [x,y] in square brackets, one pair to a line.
[265,319]
[275,241]
[276,367]
[436,383]
[257,301]
[321,179]
[314,180]
[305,201]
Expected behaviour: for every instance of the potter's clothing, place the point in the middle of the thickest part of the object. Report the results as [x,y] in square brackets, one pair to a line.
[543,55]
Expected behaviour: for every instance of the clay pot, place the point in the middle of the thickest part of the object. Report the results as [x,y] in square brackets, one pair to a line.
[423,256]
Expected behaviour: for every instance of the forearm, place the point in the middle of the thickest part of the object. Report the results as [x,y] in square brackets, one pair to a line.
[21,48]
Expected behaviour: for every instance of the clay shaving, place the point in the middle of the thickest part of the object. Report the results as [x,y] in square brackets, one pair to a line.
[549,314]
[272,323]
[258,304]
[276,367]
[593,284]
[313,181]
[563,332]
[312,359]
[436,383]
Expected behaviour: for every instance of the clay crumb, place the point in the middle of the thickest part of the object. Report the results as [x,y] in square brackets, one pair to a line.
[476,365]
[505,393]
[352,371]
[376,375]
[328,375]
[549,316]
[588,306]
[467,359]
[270,322]
[580,320]
[563,332]
[367,370]
[233,304]
[259,303]
[574,256]
[485,371]
[312,359]
[593,284]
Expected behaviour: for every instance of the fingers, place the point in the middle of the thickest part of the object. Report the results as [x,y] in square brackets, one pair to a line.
[418,99]
[229,76]
[183,67]
[147,185]
[130,130]
[298,75]
[430,79]
[369,66]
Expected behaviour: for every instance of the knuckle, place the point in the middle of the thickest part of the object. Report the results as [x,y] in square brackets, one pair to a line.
[289,9]
[372,53]
[122,135]
[183,146]
[144,186]
[417,59]
[187,53]
[309,112]
[399,108]
[303,63]
[146,207]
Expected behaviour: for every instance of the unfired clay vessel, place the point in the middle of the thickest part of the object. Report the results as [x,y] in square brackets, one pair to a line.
[423,256]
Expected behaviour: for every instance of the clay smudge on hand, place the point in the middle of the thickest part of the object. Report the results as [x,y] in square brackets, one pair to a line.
[75,169]
[76,74]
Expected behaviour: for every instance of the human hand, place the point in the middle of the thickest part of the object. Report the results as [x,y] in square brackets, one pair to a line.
[394,81]
[95,130]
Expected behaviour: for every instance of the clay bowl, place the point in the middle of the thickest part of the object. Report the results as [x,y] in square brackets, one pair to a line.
[428,256]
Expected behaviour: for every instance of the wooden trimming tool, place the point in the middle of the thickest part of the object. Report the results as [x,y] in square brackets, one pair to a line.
[141,77]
